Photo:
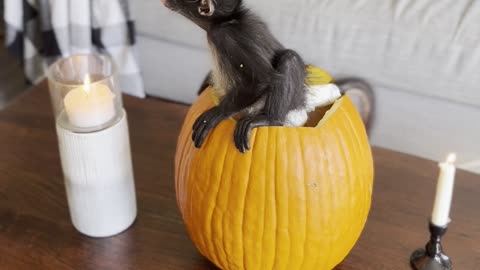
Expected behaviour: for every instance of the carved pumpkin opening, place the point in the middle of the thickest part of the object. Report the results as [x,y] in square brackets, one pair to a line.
[315,118]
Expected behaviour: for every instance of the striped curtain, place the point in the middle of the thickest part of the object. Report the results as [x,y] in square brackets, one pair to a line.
[40,31]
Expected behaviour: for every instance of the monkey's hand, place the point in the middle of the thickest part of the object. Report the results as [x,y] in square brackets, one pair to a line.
[244,129]
[205,123]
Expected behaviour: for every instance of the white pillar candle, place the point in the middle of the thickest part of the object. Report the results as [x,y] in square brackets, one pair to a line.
[90,105]
[443,198]
[99,179]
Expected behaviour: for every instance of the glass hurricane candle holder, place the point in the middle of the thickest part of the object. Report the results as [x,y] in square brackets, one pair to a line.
[84,94]
[94,144]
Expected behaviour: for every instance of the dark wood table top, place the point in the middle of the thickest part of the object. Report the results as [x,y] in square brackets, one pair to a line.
[36,232]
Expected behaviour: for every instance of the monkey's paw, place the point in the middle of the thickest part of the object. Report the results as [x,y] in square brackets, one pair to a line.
[205,123]
[244,129]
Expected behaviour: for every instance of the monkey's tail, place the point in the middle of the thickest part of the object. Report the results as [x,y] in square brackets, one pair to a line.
[363,96]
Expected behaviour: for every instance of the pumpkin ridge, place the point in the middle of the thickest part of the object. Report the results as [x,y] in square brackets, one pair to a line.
[180,148]
[182,186]
[354,142]
[217,196]
[182,155]
[227,230]
[306,199]
[333,199]
[363,183]
[367,155]
[187,205]
[247,189]
[332,207]
[260,250]
[346,154]
[221,213]
[182,143]
[350,177]
[190,195]
[279,220]
[187,172]
[358,155]
[211,213]
[344,143]
[202,157]
[293,186]
[178,157]
[352,181]
[320,171]
[274,145]
[361,155]
[265,201]
[275,198]
[354,139]
[208,221]
[196,194]
[318,144]
[289,211]
[274,216]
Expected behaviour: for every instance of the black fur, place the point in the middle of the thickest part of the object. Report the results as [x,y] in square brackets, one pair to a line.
[251,65]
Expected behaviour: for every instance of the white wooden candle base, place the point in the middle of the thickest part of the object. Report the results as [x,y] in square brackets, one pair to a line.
[99,179]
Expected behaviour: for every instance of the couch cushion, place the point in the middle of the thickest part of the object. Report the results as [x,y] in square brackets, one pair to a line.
[426,127]
[428,47]
[157,22]
[167,77]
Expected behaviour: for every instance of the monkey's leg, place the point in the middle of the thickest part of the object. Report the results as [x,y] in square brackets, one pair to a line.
[286,93]
[206,82]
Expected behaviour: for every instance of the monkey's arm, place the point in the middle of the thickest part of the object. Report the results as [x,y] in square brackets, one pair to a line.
[248,69]
[230,104]
[206,82]
[286,94]
[242,59]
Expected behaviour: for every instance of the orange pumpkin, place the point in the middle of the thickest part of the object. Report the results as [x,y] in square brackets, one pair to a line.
[298,200]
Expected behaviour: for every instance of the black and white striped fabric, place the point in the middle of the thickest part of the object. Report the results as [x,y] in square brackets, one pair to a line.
[41,31]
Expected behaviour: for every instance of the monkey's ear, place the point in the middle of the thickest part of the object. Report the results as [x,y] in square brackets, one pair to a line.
[206,8]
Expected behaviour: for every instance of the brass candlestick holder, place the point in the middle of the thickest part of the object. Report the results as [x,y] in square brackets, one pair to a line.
[432,256]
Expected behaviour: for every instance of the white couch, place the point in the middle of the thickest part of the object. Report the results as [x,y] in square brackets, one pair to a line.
[421,56]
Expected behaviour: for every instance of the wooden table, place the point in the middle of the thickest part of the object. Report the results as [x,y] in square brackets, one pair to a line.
[36,232]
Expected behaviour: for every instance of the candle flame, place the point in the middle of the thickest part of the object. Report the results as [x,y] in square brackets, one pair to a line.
[86,84]
[452,158]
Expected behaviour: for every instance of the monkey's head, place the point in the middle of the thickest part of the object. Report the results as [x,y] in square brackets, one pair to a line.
[203,10]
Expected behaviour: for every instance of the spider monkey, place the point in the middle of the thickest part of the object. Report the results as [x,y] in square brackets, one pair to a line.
[256,76]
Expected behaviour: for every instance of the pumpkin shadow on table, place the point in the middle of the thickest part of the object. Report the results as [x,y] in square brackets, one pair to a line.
[206,265]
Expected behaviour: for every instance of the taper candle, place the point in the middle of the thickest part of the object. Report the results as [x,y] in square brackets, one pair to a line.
[443,198]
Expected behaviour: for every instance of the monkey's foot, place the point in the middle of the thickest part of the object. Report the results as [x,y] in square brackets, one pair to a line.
[205,123]
[244,129]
